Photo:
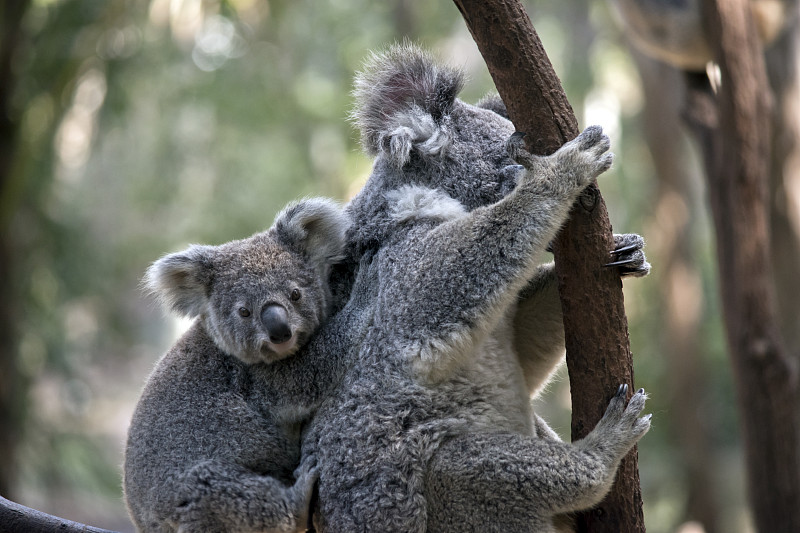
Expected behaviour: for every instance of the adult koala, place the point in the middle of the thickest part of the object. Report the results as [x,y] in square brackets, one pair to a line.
[431,427]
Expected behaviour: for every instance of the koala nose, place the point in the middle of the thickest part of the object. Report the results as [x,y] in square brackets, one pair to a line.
[276,321]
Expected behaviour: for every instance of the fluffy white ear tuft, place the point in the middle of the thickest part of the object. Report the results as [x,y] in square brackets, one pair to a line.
[182,280]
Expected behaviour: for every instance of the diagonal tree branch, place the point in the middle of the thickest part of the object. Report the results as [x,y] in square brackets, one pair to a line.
[16,518]
[596,328]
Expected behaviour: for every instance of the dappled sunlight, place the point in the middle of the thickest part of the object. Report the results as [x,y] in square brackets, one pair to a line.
[74,137]
[146,126]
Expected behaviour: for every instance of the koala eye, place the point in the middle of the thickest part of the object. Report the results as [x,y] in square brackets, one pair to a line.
[244,312]
[295,295]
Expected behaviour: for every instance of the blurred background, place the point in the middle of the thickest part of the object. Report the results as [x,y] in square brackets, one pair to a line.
[134,128]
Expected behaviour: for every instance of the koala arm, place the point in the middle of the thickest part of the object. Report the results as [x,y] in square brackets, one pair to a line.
[194,438]
[466,272]
[225,497]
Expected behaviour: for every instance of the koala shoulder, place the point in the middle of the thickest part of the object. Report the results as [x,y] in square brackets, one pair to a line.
[411,202]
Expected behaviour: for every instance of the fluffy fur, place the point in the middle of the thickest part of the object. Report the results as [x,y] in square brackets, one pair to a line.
[423,370]
[443,245]
[214,440]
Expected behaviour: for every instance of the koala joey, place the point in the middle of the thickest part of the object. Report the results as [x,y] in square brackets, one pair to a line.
[431,428]
[215,438]
[674,32]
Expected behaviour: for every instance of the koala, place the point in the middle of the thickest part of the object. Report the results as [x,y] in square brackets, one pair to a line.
[419,133]
[214,442]
[674,32]
[431,427]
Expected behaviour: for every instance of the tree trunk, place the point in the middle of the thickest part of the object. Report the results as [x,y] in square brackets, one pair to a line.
[595,325]
[734,131]
[783,71]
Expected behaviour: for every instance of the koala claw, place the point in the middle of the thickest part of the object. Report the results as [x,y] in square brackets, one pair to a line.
[517,152]
[621,426]
[629,256]
[624,249]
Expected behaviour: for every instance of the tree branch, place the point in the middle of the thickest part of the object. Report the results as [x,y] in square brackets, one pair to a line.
[16,518]
[595,325]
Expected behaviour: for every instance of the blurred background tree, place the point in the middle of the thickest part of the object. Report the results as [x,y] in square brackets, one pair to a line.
[132,128]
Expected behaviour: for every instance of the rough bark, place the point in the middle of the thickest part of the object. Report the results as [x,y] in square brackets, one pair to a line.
[596,331]
[733,127]
[16,518]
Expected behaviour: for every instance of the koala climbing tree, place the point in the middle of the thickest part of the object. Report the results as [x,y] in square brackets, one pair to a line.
[536,103]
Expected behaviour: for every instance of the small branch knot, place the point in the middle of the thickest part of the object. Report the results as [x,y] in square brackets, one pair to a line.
[589,198]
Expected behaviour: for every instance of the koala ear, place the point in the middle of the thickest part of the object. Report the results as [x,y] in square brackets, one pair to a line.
[493,102]
[182,281]
[314,228]
[402,99]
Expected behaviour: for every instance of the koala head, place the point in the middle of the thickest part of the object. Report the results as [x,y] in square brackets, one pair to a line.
[259,298]
[410,119]
[422,135]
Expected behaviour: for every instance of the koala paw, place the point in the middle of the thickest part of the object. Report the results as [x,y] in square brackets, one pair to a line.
[621,426]
[574,166]
[515,146]
[628,256]
[306,476]
[585,157]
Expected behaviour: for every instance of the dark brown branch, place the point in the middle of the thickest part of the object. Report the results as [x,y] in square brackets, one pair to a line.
[734,131]
[596,329]
[16,518]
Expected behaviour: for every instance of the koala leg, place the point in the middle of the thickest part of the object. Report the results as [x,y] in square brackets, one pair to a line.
[538,322]
[542,430]
[220,497]
[539,328]
[628,256]
[508,482]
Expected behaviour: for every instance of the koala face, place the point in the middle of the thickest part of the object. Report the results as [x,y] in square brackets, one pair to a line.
[259,298]
[264,300]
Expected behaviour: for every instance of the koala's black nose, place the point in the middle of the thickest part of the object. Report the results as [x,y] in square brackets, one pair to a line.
[276,321]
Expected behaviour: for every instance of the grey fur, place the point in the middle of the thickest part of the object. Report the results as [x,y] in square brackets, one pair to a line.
[215,436]
[428,342]
[448,295]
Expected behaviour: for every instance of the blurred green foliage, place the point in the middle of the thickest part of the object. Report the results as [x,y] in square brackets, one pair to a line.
[147,125]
